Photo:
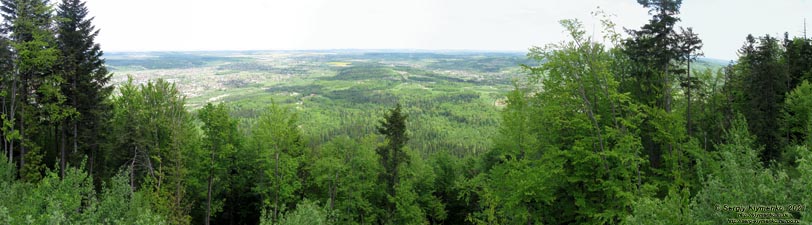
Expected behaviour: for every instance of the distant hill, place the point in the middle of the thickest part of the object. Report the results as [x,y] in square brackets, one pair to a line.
[719,62]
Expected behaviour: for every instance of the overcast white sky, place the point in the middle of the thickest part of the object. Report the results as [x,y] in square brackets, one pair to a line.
[502,25]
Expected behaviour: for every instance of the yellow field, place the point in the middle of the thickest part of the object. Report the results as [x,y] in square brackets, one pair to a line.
[339,64]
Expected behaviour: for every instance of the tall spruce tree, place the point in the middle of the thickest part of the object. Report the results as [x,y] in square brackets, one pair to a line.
[84,80]
[690,47]
[655,53]
[798,59]
[392,155]
[763,86]
[652,50]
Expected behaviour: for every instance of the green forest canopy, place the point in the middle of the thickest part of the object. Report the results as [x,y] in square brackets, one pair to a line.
[626,132]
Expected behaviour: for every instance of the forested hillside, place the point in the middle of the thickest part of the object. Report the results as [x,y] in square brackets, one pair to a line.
[623,126]
[453,97]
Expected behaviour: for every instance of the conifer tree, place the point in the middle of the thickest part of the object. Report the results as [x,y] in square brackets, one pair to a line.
[35,100]
[798,59]
[652,51]
[690,47]
[392,155]
[763,86]
[84,79]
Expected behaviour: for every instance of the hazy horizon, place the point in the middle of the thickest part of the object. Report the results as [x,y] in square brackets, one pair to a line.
[440,51]
[425,25]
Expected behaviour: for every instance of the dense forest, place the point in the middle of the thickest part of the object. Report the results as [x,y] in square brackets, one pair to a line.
[616,128]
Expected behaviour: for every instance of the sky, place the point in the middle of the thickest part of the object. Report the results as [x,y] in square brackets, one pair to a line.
[491,25]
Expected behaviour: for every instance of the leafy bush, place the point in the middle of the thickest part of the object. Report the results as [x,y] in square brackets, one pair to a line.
[71,200]
[740,179]
[306,213]
[802,183]
[674,209]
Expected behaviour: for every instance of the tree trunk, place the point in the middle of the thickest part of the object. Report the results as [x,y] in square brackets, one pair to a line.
[5,112]
[208,201]
[75,123]
[347,161]
[94,150]
[395,162]
[208,193]
[6,149]
[586,101]
[23,100]
[688,95]
[591,116]
[667,96]
[276,198]
[333,191]
[75,137]
[62,156]
[90,159]
[132,171]
[666,90]
[22,141]
[12,110]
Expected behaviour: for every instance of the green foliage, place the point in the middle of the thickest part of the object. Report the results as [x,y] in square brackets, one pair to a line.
[673,209]
[554,145]
[366,72]
[449,188]
[763,85]
[6,170]
[569,147]
[277,140]
[219,143]
[392,157]
[515,134]
[32,88]
[652,51]
[84,82]
[306,213]
[650,64]
[447,114]
[803,182]
[797,115]
[415,198]
[713,107]
[798,59]
[72,200]
[735,178]
[118,204]
[345,173]
[740,178]
[33,169]
[796,119]
[152,135]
